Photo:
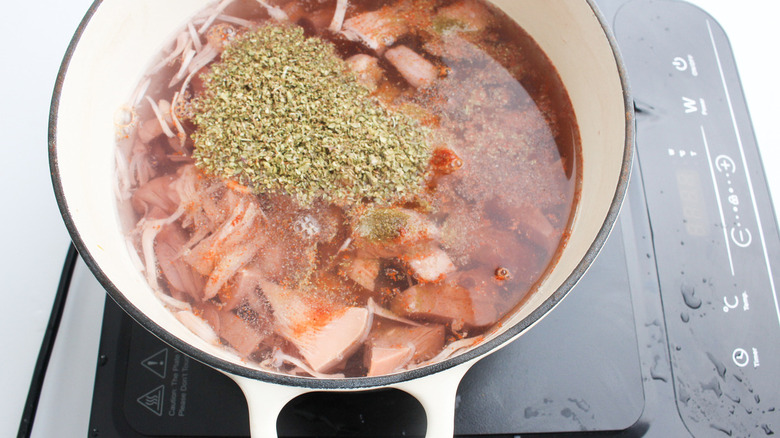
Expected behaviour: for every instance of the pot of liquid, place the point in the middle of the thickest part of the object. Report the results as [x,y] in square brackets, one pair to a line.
[463,164]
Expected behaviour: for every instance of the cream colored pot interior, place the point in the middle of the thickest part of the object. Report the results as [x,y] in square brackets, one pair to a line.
[572,37]
[103,73]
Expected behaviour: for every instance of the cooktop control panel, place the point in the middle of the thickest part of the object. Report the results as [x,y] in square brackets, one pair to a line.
[714,233]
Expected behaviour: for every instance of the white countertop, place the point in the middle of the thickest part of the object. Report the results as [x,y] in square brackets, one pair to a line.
[35,36]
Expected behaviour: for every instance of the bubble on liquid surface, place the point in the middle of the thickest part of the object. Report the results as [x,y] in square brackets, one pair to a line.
[307,226]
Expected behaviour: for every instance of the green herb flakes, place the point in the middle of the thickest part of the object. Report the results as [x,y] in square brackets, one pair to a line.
[282,113]
[382,224]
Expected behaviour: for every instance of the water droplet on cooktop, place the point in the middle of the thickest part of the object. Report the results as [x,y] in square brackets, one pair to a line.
[531,413]
[721,429]
[685,317]
[714,386]
[582,404]
[767,430]
[719,367]
[690,298]
[683,395]
[655,373]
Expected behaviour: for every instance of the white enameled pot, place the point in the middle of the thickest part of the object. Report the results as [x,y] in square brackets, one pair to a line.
[105,62]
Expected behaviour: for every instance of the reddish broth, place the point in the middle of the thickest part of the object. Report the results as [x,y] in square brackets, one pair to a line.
[302,290]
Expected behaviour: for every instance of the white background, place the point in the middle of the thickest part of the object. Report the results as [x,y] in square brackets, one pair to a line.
[34,37]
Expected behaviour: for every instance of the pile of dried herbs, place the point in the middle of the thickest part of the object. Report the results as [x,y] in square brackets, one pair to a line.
[382,224]
[281,113]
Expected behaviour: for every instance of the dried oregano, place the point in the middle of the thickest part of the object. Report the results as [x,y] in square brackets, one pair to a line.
[281,112]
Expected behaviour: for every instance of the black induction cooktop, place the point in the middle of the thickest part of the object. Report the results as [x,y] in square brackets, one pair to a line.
[674,331]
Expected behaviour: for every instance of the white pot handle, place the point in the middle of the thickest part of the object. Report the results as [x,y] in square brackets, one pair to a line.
[265,401]
[436,393]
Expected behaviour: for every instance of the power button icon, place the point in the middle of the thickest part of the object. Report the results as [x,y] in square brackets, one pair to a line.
[742,237]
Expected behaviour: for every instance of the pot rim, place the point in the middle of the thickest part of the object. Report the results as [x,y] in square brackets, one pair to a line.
[480,350]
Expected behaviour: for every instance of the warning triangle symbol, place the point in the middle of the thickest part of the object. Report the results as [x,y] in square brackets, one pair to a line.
[153,400]
[157,363]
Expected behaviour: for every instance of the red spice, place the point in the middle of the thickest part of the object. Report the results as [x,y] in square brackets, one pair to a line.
[392,274]
[238,219]
[232,185]
[319,314]
[445,161]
